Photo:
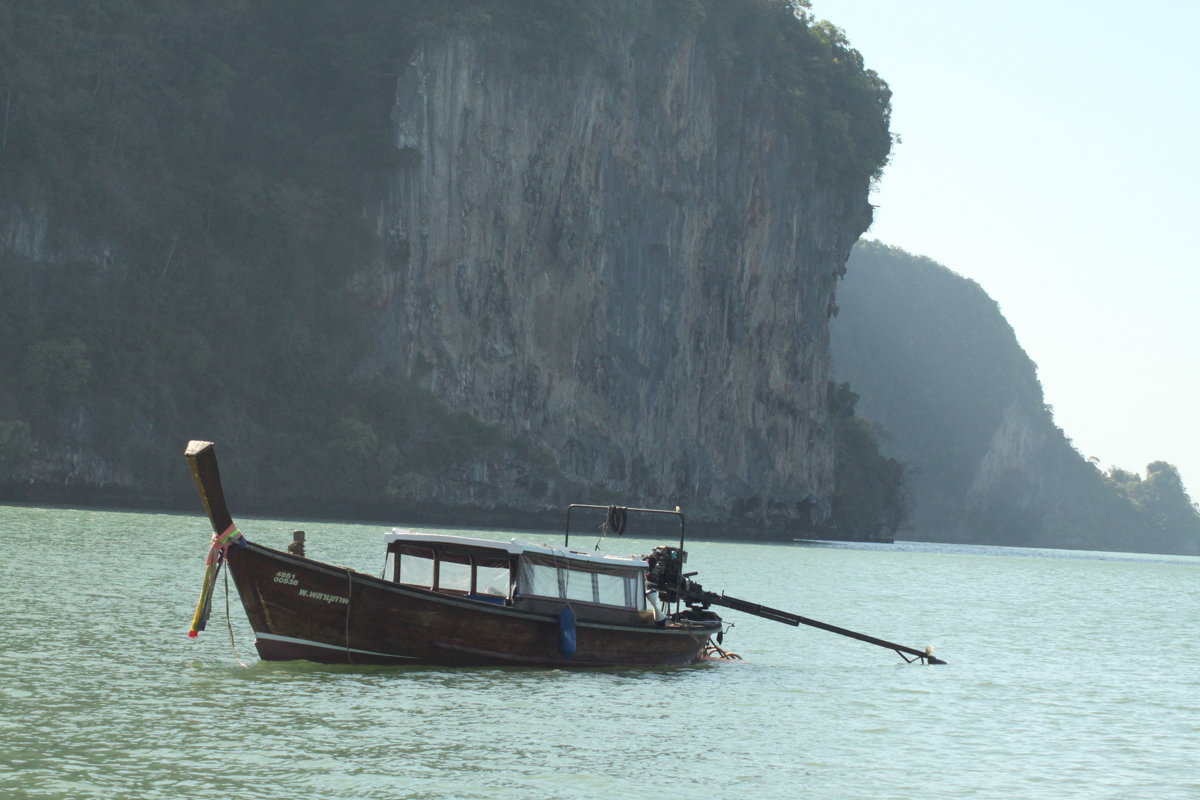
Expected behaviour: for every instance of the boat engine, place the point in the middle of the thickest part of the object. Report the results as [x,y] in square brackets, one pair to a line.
[666,573]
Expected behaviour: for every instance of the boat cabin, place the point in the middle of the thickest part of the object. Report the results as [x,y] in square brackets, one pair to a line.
[521,576]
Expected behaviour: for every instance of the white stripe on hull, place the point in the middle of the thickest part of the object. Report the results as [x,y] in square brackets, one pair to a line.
[334,647]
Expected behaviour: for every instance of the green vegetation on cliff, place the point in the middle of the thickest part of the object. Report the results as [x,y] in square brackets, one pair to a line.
[869,498]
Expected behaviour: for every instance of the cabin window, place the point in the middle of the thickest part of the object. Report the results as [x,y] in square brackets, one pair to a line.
[540,580]
[581,586]
[454,576]
[484,576]
[492,579]
[416,570]
[609,587]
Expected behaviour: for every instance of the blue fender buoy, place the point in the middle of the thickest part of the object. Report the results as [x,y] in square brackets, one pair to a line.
[566,632]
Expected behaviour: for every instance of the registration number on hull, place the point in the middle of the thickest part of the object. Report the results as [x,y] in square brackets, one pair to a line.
[290,579]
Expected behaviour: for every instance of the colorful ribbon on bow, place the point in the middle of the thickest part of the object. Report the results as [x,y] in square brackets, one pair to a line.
[221,544]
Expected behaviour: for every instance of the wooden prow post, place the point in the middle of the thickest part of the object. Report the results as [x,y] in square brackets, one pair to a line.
[202,460]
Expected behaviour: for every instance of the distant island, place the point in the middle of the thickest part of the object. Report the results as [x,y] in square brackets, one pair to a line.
[942,378]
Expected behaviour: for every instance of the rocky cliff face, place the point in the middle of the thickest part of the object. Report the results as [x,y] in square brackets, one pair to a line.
[591,255]
[613,264]
[27,237]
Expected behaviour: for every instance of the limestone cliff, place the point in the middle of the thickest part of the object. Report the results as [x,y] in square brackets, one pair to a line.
[590,254]
[614,264]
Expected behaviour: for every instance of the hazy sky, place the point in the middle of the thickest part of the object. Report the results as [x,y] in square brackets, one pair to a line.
[1050,152]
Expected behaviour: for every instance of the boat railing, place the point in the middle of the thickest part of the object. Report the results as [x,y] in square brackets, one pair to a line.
[617,516]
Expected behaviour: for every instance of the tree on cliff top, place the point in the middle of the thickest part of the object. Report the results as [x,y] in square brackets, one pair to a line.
[1161,496]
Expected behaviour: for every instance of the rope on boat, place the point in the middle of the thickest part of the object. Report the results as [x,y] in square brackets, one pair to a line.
[567,643]
[222,544]
[712,650]
[229,624]
[349,594]
[614,521]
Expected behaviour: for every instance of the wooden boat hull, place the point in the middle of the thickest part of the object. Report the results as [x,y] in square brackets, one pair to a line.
[305,609]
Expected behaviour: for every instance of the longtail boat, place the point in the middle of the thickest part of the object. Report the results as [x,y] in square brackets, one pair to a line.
[464,601]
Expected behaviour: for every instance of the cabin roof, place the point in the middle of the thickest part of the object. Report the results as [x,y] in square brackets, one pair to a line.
[515,547]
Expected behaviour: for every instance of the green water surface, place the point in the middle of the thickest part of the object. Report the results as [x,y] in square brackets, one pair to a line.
[1069,675]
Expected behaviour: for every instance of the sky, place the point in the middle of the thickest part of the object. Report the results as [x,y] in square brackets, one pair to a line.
[1051,152]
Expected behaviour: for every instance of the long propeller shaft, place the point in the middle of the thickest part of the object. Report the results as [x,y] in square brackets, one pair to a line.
[789,618]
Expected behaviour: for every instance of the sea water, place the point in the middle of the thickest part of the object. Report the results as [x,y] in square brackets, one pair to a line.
[1069,674]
